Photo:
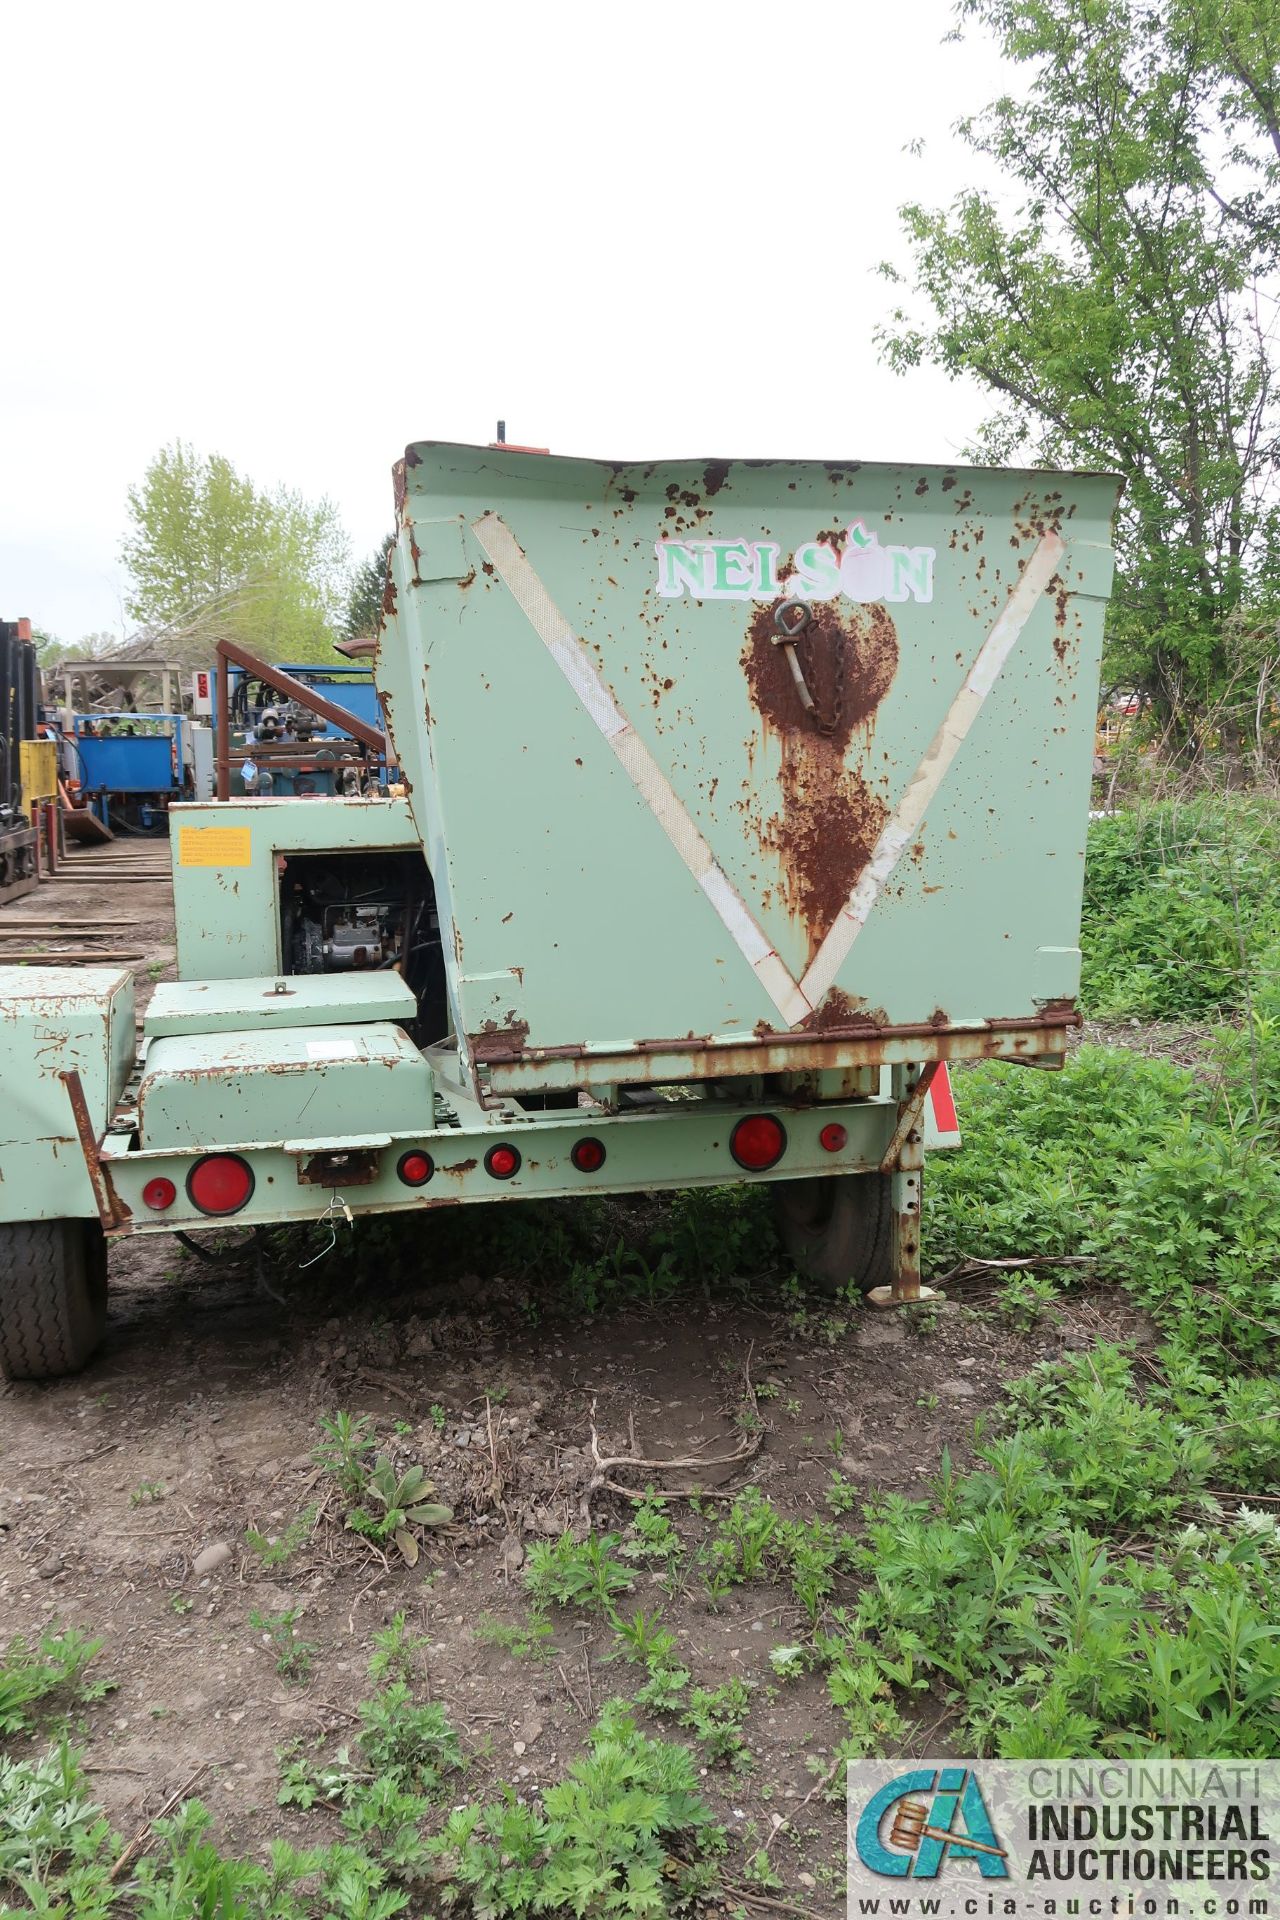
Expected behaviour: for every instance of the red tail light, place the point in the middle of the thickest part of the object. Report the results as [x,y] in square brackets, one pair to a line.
[415,1168]
[833,1138]
[502,1162]
[159,1194]
[588,1155]
[220,1183]
[758,1142]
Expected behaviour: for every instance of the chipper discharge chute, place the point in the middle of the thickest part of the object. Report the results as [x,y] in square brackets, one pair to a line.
[739,799]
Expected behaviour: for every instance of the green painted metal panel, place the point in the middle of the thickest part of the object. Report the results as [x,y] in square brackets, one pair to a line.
[636,827]
[680,1144]
[224,871]
[55,1020]
[294,1084]
[300,999]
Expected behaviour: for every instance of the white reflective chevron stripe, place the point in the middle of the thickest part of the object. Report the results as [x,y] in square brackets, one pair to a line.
[904,824]
[578,668]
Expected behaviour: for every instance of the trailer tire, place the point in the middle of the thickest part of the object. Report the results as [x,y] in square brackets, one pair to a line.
[838,1229]
[53,1297]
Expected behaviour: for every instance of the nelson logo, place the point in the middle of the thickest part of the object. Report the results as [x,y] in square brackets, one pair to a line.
[748,570]
[952,1822]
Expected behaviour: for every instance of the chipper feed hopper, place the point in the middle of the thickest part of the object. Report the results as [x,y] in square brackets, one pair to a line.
[740,797]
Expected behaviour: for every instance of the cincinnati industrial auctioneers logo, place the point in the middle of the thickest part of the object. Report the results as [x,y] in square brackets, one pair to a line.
[1150,1839]
[853,563]
[920,1821]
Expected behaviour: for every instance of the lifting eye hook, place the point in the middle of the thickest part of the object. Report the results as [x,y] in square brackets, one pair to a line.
[790,621]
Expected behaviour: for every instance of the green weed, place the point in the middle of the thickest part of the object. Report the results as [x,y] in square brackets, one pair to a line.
[384,1504]
[1051,1640]
[293,1654]
[716,1717]
[1136,1165]
[50,1673]
[530,1641]
[276,1550]
[409,1741]
[345,1451]
[651,1535]
[738,1548]
[626,1833]
[396,1649]
[1181,908]
[393,1504]
[644,1639]
[578,1573]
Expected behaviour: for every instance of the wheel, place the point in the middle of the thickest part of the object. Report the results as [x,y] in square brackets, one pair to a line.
[53,1297]
[838,1228]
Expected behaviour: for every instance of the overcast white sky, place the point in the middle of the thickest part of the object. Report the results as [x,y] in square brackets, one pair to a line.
[303,235]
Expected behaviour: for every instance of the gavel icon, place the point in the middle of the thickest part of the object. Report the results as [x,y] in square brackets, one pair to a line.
[910,1828]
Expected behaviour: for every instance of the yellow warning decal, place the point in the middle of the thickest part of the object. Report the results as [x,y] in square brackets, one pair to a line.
[214,846]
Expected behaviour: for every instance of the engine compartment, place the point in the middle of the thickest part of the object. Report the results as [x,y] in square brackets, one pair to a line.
[355,912]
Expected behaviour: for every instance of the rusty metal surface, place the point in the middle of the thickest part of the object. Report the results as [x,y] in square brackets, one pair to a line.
[516,1067]
[906,1184]
[715,820]
[909,1128]
[827,816]
[342,1166]
[111,1210]
[508,1044]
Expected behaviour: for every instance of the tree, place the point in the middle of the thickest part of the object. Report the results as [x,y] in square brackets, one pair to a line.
[1124,314]
[49,649]
[363,614]
[212,554]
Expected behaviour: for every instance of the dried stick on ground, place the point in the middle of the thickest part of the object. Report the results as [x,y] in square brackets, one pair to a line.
[750,1899]
[819,1786]
[690,1463]
[143,1834]
[973,1267]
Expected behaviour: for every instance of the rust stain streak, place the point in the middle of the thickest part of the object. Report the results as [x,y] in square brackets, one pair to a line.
[112,1211]
[829,819]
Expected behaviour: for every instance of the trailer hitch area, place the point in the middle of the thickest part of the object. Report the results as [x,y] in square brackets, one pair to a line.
[790,621]
[354,1166]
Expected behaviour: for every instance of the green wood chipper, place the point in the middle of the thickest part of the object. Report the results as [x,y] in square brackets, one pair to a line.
[739,798]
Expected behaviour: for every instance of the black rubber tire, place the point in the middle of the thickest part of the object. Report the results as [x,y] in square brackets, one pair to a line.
[53,1297]
[838,1229]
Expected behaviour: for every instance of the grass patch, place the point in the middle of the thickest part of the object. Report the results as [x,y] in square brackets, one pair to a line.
[1083,1590]
[1181,908]
[51,1676]
[1167,1182]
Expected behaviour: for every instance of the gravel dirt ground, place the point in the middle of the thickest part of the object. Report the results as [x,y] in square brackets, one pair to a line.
[119,1489]
[115,898]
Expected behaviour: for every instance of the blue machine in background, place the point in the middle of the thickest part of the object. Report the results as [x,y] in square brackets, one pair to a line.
[347,686]
[129,765]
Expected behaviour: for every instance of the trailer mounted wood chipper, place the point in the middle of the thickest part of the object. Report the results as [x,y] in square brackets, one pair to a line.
[739,799]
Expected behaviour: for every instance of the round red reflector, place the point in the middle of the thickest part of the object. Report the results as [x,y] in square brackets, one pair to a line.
[220,1183]
[833,1137]
[502,1162]
[159,1194]
[588,1156]
[415,1168]
[758,1142]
